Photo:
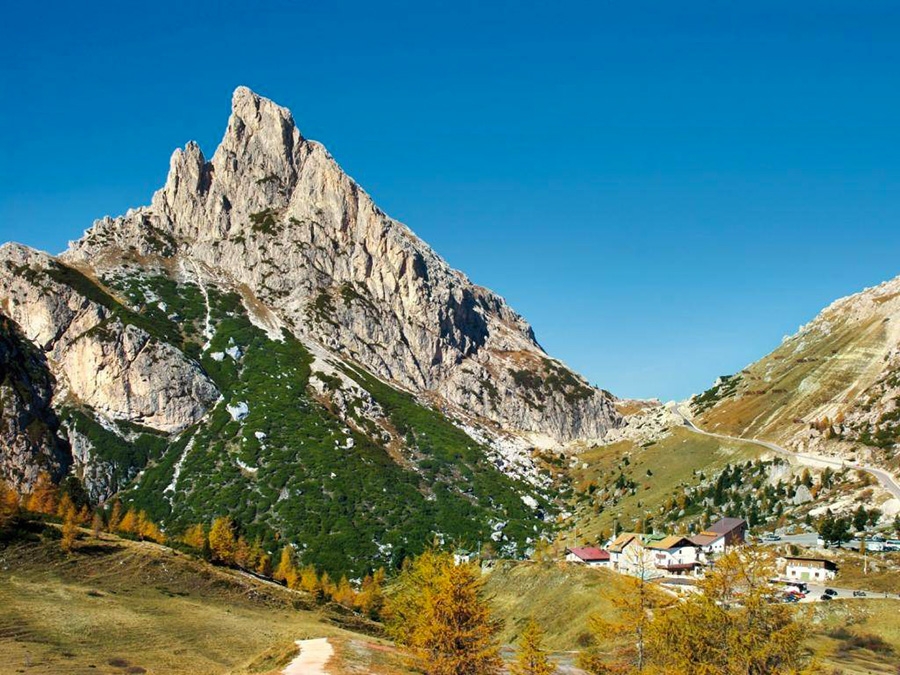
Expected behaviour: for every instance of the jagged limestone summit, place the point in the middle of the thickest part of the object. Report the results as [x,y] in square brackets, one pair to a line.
[262,340]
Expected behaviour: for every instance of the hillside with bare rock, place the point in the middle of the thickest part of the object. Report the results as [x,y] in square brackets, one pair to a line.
[262,341]
[832,388]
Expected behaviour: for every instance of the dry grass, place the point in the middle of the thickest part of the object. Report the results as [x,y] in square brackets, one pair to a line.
[672,460]
[858,637]
[800,380]
[118,607]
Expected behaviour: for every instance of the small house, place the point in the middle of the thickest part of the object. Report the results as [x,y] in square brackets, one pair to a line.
[674,554]
[809,569]
[588,555]
[725,533]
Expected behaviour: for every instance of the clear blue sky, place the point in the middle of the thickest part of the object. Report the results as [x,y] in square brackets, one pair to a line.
[663,189]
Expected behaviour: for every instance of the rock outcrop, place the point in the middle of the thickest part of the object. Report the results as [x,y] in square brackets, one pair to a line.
[100,358]
[29,427]
[274,215]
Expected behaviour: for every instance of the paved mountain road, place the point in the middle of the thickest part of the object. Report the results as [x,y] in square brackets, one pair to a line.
[887,480]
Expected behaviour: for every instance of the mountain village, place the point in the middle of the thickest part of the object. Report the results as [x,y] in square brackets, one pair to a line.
[678,560]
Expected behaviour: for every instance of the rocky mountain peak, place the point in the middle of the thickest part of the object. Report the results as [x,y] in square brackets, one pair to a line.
[273,214]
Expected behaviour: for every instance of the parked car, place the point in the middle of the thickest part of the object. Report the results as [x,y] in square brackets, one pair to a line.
[825,597]
[830,591]
[771,536]
[859,594]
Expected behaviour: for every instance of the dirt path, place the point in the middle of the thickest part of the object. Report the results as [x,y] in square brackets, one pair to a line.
[314,654]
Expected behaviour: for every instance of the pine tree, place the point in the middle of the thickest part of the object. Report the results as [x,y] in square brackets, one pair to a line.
[532,659]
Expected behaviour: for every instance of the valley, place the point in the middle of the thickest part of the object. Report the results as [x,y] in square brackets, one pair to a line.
[230,414]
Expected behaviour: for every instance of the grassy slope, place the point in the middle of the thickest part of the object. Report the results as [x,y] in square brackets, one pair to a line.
[560,596]
[672,460]
[862,618]
[803,378]
[145,605]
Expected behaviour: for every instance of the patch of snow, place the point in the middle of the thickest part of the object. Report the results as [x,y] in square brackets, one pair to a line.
[217,356]
[529,501]
[235,352]
[246,467]
[171,487]
[260,435]
[238,411]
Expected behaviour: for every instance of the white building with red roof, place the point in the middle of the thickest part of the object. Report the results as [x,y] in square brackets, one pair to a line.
[588,555]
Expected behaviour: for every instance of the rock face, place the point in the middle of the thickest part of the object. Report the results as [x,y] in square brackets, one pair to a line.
[114,367]
[272,214]
[28,425]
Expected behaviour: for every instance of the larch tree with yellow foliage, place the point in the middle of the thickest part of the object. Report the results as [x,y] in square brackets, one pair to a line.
[147,529]
[129,522]
[44,496]
[309,579]
[9,505]
[440,614]
[620,642]
[222,541]
[195,537]
[531,658]
[734,625]
[69,529]
[287,568]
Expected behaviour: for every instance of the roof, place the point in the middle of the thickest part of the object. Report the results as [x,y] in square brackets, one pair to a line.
[820,562]
[672,541]
[705,539]
[589,553]
[620,542]
[725,525]
[679,567]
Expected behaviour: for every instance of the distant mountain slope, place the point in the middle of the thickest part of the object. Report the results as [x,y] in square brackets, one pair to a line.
[263,341]
[833,387]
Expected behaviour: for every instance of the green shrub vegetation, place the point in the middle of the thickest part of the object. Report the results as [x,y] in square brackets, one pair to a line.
[290,470]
